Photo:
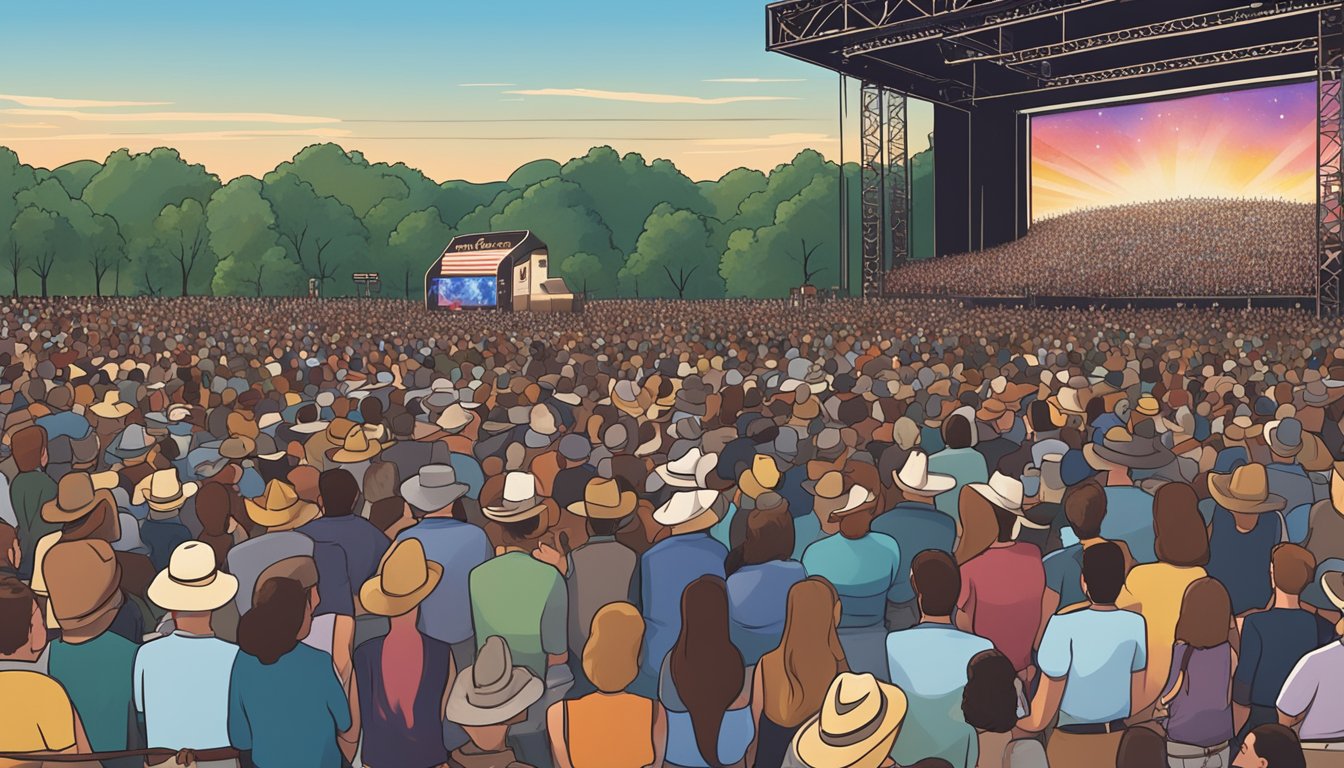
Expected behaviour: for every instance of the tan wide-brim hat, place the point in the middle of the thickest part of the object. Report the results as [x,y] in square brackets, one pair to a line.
[77,494]
[280,506]
[763,475]
[358,446]
[1245,490]
[404,579]
[859,720]
[192,582]
[603,499]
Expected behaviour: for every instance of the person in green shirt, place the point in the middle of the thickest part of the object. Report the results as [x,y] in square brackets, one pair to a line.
[94,664]
[31,489]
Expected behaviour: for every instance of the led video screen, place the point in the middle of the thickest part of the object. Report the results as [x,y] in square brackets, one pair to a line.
[464,292]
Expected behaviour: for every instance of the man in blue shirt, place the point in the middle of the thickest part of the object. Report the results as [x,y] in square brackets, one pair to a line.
[363,544]
[665,570]
[916,525]
[1129,509]
[197,716]
[1085,508]
[1287,478]
[928,662]
[1090,659]
[453,543]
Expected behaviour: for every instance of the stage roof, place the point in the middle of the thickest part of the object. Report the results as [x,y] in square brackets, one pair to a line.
[1027,54]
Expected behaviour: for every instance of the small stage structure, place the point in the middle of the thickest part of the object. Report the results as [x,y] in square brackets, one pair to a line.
[497,270]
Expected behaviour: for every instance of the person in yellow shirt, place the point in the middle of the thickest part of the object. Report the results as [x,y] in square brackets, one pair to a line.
[35,712]
[1155,590]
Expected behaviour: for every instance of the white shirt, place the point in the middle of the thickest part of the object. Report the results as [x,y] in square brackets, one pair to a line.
[1316,687]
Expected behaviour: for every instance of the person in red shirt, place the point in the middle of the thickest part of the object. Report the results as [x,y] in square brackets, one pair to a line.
[1002,580]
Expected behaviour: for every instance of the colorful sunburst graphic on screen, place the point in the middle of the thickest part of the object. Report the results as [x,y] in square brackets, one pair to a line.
[1253,143]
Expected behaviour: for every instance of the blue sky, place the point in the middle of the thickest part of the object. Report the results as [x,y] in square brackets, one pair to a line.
[458,89]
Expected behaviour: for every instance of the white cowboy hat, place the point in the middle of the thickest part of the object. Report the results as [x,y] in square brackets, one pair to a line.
[689,471]
[685,506]
[520,501]
[916,478]
[1002,491]
[192,582]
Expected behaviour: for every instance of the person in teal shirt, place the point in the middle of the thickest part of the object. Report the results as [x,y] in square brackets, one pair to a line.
[959,459]
[863,566]
[286,705]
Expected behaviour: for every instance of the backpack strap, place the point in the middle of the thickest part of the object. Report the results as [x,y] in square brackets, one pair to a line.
[1182,678]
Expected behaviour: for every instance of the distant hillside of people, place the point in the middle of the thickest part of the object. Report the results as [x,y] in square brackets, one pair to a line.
[617,225]
[1186,247]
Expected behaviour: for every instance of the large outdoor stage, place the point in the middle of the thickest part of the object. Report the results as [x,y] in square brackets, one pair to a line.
[987,65]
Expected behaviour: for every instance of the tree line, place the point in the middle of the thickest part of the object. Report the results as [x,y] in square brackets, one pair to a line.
[616,225]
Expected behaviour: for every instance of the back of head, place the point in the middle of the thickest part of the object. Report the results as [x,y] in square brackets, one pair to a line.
[979,525]
[339,492]
[16,615]
[769,534]
[989,700]
[385,513]
[611,656]
[1103,572]
[1141,748]
[1085,508]
[957,432]
[706,667]
[809,653]
[1206,614]
[1278,746]
[1179,535]
[29,447]
[1293,568]
[8,538]
[937,582]
[271,629]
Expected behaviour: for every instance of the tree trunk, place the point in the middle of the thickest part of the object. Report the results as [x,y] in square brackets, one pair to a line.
[184,280]
[97,283]
[44,286]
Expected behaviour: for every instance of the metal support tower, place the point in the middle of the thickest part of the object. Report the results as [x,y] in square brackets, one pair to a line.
[872,175]
[898,180]
[1328,178]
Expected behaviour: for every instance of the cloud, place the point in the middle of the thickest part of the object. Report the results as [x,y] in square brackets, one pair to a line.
[318,133]
[174,117]
[27,125]
[756,80]
[643,98]
[52,101]
[773,140]
[486,85]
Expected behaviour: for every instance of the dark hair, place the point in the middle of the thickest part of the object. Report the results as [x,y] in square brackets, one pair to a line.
[931,762]
[957,432]
[1294,567]
[936,579]
[16,614]
[339,491]
[1278,746]
[989,700]
[706,667]
[1085,508]
[769,536]
[1206,614]
[1179,535]
[27,446]
[522,530]
[1104,572]
[371,410]
[384,513]
[8,535]
[1007,522]
[1141,748]
[1038,413]
[603,527]
[271,628]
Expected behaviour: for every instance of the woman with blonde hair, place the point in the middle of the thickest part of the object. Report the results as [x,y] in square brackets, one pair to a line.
[790,682]
[610,727]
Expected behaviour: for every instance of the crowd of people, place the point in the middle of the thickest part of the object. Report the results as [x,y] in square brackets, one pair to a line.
[291,533]
[1185,247]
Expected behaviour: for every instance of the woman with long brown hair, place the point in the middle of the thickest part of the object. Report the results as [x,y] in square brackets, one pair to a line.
[1198,693]
[704,685]
[791,681]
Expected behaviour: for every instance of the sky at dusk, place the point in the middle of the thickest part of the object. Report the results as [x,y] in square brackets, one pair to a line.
[467,89]
[1258,142]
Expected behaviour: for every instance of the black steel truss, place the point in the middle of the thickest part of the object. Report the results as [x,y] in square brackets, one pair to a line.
[898,180]
[1328,177]
[872,176]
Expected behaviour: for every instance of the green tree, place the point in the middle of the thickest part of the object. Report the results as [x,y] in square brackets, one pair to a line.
[674,256]
[346,176]
[625,189]
[251,260]
[320,234]
[134,189]
[76,176]
[534,172]
[726,194]
[43,236]
[417,241]
[104,248]
[180,234]
[15,177]
[580,271]
[561,213]
[801,246]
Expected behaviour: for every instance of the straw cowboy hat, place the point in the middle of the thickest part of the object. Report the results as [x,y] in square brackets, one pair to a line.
[1245,489]
[493,690]
[858,723]
[433,488]
[77,494]
[520,501]
[355,448]
[163,491]
[916,478]
[280,505]
[688,471]
[687,506]
[403,580]
[1332,583]
[1002,491]
[604,500]
[84,582]
[192,582]
[111,406]
[761,476]
[454,419]
[1242,428]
